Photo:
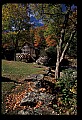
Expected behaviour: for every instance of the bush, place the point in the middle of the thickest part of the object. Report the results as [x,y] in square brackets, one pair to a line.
[51,53]
[67,94]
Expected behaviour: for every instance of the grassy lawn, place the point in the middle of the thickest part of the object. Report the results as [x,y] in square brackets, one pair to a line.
[15,71]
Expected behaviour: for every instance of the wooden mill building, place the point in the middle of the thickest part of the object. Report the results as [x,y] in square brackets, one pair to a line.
[27,52]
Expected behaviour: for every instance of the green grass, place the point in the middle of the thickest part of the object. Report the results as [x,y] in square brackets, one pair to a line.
[17,70]
[6,88]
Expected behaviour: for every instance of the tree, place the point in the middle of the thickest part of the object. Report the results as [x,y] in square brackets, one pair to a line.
[15,18]
[39,40]
[65,32]
[15,15]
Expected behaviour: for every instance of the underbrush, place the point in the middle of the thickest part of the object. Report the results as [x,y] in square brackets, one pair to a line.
[66,97]
[6,88]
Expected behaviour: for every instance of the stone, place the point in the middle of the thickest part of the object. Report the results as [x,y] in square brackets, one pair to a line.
[43,110]
[27,111]
[29,99]
[40,77]
[33,98]
[41,60]
[31,77]
[22,112]
[38,84]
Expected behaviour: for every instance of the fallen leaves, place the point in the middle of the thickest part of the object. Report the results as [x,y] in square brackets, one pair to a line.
[38,104]
[42,90]
[13,100]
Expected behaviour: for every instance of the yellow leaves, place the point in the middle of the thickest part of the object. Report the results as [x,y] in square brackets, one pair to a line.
[10,12]
[73,90]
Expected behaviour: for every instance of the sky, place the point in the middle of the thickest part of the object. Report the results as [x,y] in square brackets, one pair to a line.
[33,20]
[39,22]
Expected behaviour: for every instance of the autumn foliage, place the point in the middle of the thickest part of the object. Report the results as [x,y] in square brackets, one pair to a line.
[50,41]
[38,38]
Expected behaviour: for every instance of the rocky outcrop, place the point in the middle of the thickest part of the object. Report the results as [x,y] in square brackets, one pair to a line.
[32,98]
[38,100]
[43,110]
[41,60]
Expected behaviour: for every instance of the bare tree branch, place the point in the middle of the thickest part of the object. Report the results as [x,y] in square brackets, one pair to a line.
[66,46]
[73,22]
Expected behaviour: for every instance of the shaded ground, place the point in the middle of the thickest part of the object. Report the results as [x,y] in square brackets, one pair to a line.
[37,94]
[14,98]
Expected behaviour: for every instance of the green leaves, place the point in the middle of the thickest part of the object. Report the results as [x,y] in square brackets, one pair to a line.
[14,15]
[11,37]
[67,93]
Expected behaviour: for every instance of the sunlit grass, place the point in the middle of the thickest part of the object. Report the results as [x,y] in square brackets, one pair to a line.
[17,70]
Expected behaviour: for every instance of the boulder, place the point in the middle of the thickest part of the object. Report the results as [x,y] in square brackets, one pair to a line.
[41,60]
[29,99]
[43,110]
[32,98]
[40,77]
[32,77]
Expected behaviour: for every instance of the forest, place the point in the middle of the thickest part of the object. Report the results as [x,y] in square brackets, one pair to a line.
[51,58]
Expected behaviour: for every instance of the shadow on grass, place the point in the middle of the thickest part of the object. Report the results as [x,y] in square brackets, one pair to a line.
[5,79]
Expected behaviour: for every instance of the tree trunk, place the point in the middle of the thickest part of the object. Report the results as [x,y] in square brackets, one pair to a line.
[59,46]
[67,44]
[59,52]
[15,55]
[57,64]
[60,58]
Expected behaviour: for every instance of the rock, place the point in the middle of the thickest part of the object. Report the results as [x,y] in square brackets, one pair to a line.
[22,112]
[43,110]
[38,84]
[33,98]
[41,60]
[31,77]
[27,111]
[46,98]
[29,99]
[40,77]
[47,71]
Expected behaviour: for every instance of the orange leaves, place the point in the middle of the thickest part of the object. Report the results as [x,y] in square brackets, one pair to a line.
[38,104]
[37,40]
[5,45]
[50,41]
[42,90]
[13,101]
